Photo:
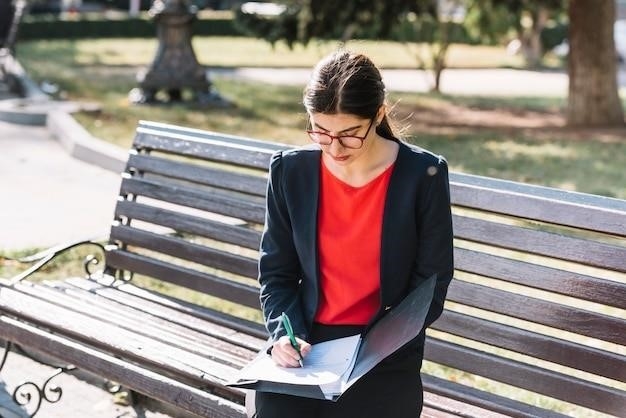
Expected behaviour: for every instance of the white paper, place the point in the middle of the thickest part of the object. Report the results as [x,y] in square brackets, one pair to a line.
[327,365]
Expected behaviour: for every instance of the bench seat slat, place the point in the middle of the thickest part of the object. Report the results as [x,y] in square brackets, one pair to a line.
[605,292]
[181,145]
[180,248]
[180,195]
[577,321]
[135,377]
[577,356]
[145,326]
[234,330]
[542,243]
[254,185]
[113,339]
[545,208]
[182,222]
[550,383]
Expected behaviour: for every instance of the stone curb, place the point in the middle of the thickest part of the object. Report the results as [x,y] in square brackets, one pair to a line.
[81,145]
[37,108]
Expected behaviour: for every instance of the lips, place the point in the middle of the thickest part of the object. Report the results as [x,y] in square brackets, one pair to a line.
[340,157]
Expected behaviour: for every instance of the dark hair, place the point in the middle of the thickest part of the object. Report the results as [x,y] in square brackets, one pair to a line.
[345,82]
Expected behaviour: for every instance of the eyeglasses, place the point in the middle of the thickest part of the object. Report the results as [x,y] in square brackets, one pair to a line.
[346,141]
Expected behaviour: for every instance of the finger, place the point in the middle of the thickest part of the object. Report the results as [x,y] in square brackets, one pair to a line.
[305,348]
[283,355]
[285,360]
[288,349]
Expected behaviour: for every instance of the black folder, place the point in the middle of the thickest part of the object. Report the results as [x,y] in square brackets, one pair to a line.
[397,327]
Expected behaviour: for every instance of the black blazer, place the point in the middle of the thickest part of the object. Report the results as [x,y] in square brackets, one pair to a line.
[416,235]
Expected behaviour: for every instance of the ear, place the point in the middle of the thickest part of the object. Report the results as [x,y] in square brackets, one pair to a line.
[380,115]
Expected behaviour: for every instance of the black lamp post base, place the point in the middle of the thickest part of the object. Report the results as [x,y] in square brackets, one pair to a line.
[175,67]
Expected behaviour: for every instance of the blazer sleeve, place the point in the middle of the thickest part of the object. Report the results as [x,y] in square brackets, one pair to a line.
[435,236]
[279,268]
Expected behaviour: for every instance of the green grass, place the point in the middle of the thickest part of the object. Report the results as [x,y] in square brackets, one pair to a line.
[575,160]
[239,51]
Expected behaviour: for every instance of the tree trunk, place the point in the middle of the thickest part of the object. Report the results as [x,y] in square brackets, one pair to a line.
[593,94]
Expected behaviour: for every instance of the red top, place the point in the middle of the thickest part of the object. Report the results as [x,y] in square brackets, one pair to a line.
[349,236]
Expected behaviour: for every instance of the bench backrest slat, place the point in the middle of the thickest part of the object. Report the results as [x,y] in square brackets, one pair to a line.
[540,273]
[551,383]
[544,312]
[182,249]
[198,199]
[580,286]
[595,213]
[202,175]
[545,347]
[192,279]
[549,244]
[184,146]
[207,228]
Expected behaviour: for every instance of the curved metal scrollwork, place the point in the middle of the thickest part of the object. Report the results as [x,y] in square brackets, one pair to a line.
[42,258]
[31,396]
[90,260]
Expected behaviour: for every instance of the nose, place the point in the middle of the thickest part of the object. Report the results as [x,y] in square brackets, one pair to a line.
[335,145]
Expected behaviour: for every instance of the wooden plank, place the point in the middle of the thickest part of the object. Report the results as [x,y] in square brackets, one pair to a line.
[197,148]
[177,247]
[236,331]
[100,334]
[547,382]
[232,234]
[580,286]
[194,198]
[144,324]
[471,399]
[560,207]
[139,379]
[555,350]
[192,279]
[578,250]
[221,178]
[578,321]
[208,137]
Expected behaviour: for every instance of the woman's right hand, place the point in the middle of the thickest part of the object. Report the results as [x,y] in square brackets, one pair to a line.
[285,355]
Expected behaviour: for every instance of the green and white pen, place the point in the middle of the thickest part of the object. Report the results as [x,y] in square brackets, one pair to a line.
[292,337]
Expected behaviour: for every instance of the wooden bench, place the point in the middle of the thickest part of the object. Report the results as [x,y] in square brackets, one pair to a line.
[538,302]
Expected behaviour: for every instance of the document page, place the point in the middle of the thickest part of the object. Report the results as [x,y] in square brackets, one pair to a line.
[326,363]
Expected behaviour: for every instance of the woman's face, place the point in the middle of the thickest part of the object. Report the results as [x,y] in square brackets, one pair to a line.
[352,130]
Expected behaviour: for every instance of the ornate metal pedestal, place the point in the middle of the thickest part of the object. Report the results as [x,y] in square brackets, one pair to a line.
[175,66]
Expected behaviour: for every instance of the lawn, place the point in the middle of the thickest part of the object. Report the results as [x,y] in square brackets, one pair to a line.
[517,138]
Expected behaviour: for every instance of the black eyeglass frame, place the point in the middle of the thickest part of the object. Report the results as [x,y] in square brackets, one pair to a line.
[313,134]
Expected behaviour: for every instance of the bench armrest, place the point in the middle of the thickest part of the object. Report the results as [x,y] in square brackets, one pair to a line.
[44,257]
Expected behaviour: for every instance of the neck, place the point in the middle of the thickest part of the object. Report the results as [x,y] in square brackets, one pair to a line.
[380,154]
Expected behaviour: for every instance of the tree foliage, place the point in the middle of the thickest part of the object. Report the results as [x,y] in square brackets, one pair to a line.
[303,20]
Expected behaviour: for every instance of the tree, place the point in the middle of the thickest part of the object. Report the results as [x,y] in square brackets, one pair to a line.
[299,21]
[442,21]
[593,98]
[527,18]
[593,94]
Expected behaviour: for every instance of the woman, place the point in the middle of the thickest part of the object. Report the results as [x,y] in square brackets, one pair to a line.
[354,222]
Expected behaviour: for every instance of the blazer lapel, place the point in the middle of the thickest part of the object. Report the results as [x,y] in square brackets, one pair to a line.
[398,232]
